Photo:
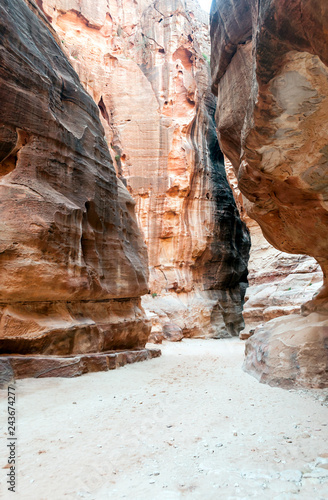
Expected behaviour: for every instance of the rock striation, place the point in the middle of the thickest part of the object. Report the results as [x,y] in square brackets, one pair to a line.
[73,264]
[279,283]
[290,351]
[41,366]
[269,67]
[146,65]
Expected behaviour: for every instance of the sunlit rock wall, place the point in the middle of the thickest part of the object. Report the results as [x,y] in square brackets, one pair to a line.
[146,64]
[73,264]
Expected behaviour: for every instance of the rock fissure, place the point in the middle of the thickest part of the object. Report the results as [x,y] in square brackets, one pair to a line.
[271,117]
[166,166]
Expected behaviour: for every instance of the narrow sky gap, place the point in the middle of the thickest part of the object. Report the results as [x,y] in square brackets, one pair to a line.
[205,4]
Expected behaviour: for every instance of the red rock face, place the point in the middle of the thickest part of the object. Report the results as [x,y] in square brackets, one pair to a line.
[280,155]
[69,366]
[279,283]
[72,261]
[146,65]
[269,67]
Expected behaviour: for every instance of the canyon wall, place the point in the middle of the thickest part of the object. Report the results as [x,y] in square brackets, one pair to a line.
[279,282]
[73,264]
[269,68]
[146,65]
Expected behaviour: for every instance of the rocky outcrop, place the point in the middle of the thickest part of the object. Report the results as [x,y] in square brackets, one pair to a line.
[279,283]
[146,65]
[73,264]
[269,68]
[17,367]
[290,352]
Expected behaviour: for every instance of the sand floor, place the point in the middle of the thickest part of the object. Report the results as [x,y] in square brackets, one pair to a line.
[188,425]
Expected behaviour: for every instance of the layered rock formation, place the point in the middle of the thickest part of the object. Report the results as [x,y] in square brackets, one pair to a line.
[269,67]
[289,352]
[146,65]
[72,261]
[279,283]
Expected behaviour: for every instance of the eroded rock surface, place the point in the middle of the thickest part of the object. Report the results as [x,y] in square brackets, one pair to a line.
[146,65]
[279,282]
[17,367]
[72,260]
[269,67]
[289,352]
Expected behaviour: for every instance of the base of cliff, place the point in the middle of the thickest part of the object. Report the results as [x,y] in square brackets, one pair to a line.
[18,367]
[213,314]
[290,352]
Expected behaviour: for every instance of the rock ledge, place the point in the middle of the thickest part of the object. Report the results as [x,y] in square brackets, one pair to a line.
[16,367]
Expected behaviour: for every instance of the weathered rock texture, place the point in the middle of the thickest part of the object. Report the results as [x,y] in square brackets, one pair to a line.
[15,367]
[290,352]
[72,260]
[269,67]
[146,65]
[279,283]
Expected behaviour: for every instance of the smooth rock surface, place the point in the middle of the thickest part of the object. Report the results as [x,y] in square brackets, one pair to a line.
[69,241]
[172,332]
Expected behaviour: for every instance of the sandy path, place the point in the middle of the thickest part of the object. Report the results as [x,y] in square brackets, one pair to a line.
[188,425]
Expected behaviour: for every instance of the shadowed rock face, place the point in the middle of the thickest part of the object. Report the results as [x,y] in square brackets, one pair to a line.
[146,65]
[279,282]
[270,67]
[72,261]
[279,109]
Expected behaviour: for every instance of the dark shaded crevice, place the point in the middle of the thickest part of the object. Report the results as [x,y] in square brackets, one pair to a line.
[11,142]
[153,40]
[103,110]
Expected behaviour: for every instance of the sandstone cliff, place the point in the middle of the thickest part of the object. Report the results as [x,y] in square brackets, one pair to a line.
[279,283]
[146,65]
[72,261]
[269,67]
